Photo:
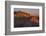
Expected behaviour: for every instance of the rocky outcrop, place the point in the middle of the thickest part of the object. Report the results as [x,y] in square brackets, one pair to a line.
[25,19]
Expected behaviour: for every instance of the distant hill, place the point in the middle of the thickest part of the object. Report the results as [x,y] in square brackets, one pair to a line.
[19,13]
